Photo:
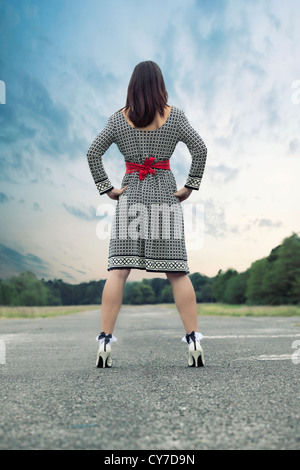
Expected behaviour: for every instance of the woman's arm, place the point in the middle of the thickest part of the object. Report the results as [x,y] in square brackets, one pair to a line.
[197,149]
[94,156]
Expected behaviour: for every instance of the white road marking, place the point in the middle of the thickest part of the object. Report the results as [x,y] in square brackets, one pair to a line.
[294,357]
[275,357]
[2,352]
[6,339]
[252,336]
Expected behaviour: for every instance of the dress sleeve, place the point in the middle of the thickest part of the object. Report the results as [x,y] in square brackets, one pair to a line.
[94,156]
[197,149]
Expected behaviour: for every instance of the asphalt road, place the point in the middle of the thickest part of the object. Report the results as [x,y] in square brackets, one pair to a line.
[53,397]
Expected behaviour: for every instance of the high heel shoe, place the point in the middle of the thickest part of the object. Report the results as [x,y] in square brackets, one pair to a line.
[104,356]
[195,351]
[104,353]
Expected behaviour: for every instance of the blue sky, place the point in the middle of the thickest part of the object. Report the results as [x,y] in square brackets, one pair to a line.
[231,66]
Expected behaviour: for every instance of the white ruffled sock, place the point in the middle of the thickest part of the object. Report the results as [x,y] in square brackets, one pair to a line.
[102,337]
[198,337]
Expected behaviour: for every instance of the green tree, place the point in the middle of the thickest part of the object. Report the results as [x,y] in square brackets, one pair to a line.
[275,280]
[255,291]
[235,290]
[167,294]
[220,283]
[205,294]
[9,294]
[142,294]
[203,287]
[27,290]
[198,280]
[157,285]
[282,280]
[129,292]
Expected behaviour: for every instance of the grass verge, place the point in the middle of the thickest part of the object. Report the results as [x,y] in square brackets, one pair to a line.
[207,309]
[248,310]
[43,312]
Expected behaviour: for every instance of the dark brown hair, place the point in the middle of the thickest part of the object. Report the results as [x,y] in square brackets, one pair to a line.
[146,94]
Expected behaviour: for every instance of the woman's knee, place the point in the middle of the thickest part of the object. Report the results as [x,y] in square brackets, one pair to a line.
[175,276]
[121,273]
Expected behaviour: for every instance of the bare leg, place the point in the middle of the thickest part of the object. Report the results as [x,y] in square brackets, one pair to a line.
[185,299]
[112,297]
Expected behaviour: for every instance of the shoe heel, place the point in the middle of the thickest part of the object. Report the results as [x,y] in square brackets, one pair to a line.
[196,357]
[104,357]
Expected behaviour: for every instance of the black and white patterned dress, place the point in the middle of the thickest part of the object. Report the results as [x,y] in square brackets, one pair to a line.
[148,228]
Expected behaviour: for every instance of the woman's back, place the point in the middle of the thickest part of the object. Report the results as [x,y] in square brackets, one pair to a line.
[138,144]
[158,121]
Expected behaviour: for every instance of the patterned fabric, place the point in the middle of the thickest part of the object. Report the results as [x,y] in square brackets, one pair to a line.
[148,229]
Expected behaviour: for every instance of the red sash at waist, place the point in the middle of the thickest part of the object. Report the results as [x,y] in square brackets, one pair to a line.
[148,167]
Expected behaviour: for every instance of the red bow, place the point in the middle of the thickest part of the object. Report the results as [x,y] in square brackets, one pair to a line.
[148,167]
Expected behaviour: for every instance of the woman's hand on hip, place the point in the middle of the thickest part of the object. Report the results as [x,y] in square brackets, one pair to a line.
[183,193]
[115,193]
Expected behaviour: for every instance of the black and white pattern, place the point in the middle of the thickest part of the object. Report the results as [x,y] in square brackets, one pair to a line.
[148,229]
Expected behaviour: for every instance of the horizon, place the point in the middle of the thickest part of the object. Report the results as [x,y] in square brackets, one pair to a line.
[233,69]
[153,274]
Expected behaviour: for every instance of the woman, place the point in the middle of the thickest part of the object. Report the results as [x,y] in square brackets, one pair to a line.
[148,231]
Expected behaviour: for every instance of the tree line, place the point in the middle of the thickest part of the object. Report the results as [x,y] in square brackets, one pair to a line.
[273,280]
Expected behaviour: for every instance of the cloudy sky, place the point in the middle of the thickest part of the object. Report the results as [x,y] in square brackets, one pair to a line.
[233,67]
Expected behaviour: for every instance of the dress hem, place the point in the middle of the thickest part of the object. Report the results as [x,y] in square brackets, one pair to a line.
[148,270]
